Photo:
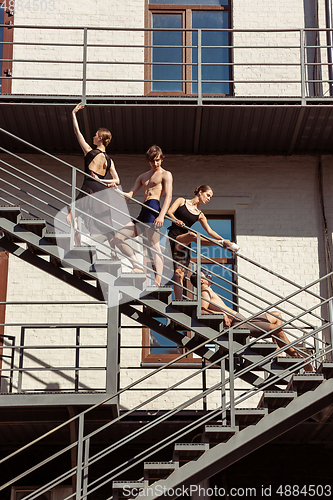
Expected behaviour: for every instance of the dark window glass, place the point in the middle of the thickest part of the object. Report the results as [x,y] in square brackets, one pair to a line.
[211,42]
[222,226]
[172,54]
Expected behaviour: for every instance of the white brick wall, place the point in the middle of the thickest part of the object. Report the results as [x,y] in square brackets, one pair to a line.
[257,72]
[79,15]
[278,224]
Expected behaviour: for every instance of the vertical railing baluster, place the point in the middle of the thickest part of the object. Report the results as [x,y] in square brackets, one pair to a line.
[73,207]
[199,69]
[84,69]
[330,309]
[79,458]
[198,275]
[223,393]
[231,378]
[302,56]
[85,470]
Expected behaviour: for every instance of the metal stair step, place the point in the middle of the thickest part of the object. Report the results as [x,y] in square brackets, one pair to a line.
[264,348]
[10,212]
[184,452]
[61,240]
[163,293]
[305,382]
[287,361]
[158,470]
[107,266]
[326,368]
[249,416]
[219,433]
[276,399]
[123,489]
[185,306]
[36,226]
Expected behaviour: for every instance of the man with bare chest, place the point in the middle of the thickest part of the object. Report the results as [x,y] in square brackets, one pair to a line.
[155,183]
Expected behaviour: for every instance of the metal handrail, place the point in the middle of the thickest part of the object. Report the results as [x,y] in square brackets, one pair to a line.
[83,61]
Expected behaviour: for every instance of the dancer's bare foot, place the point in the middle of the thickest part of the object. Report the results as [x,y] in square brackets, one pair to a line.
[308,367]
[137,269]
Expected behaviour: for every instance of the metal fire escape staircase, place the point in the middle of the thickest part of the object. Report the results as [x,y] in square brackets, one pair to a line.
[286,397]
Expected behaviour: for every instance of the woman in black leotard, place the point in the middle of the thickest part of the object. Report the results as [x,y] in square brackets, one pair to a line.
[94,210]
[186,213]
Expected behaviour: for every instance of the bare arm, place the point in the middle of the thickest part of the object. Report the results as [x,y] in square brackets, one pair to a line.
[167,184]
[81,140]
[208,229]
[114,176]
[171,212]
[136,188]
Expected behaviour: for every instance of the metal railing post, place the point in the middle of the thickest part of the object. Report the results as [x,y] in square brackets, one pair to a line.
[73,208]
[302,60]
[79,463]
[231,378]
[21,360]
[86,470]
[199,69]
[223,393]
[198,275]
[84,69]
[330,310]
[77,359]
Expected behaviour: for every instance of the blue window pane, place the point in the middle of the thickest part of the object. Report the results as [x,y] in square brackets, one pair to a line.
[212,52]
[223,285]
[189,2]
[1,40]
[170,54]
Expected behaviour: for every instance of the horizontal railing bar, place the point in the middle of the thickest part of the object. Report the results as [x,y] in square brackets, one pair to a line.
[227,30]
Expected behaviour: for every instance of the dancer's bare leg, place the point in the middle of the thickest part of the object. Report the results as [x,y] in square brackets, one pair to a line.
[282,339]
[154,243]
[178,285]
[120,240]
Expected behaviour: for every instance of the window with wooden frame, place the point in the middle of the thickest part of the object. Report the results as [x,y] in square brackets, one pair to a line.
[173,48]
[158,349]
[6,47]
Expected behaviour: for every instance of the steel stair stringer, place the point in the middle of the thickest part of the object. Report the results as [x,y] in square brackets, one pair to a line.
[187,342]
[208,333]
[242,443]
[50,268]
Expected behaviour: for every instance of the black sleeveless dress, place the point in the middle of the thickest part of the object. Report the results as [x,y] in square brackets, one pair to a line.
[91,203]
[182,255]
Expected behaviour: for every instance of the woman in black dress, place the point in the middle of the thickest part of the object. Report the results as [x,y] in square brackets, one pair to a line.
[186,213]
[94,209]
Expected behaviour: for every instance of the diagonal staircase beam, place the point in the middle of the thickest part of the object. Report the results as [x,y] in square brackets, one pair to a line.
[48,267]
[241,444]
[187,342]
